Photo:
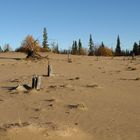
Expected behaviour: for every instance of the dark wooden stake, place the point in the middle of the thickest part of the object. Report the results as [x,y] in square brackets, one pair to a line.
[49,69]
[33,82]
[36,81]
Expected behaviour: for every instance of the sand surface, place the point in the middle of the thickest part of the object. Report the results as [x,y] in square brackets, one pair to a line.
[89,99]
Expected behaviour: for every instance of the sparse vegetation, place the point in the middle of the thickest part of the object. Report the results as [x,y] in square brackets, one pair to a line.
[30,45]
[102,50]
[77,48]
[55,47]
[7,48]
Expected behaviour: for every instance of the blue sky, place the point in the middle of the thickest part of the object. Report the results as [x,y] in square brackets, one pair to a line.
[68,20]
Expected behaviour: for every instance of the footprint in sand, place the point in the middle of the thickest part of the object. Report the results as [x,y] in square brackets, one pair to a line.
[49,100]
[77,106]
[131,68]
[93,86]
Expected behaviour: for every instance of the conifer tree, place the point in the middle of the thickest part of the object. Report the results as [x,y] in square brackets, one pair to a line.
[127,52]
[1,49]
[79,47]
[91,46]
[7,48]
[118,47]
[74,48]
[102,45]
[136,49]
[139,47]
[45,40]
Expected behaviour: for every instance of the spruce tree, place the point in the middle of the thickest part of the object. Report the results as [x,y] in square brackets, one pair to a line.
[79,47]
[102,45]
[45,40]
[139,47]
[136,49]
[72,49]
[91,46]
[57,48]
[118,47]
[75,47]
[127,52]
[1,49]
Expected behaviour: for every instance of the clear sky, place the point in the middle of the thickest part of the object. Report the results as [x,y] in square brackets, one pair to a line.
[68,20]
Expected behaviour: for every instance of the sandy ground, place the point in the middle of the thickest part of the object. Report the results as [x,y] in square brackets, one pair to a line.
[89,99]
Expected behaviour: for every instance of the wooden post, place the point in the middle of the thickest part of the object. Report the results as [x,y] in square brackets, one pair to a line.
[38,83]
[49,69]
[69,58]
[133,56]
[33,82]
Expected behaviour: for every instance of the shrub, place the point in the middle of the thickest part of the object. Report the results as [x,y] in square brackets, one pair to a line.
[83,51]
[29,44]
[7,48]
[103,51]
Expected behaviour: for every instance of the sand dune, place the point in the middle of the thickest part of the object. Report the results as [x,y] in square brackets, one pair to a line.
[88,99]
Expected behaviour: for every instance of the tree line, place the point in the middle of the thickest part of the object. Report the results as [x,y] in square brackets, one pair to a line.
[29,43]
[103,50]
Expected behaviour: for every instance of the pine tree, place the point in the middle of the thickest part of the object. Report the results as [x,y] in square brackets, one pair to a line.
[127,52]
[139,47]
[7,48]
[74,48]
[118,47]
[136,49]
[80,47]
[57,48]
[1,49]
[102,45]
[91,46]
[45,40]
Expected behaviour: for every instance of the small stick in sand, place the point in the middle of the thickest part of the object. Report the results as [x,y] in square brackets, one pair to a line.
[69,58]
[19,120]
[49,69]
[133,56]
[33,81]
[36,82]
